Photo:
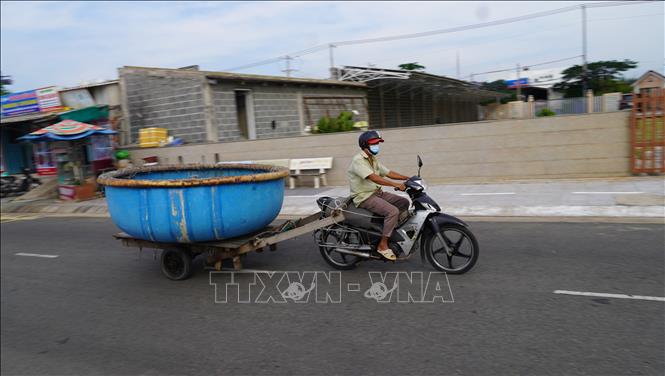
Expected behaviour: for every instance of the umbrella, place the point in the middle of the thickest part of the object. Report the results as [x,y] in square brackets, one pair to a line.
[66,130]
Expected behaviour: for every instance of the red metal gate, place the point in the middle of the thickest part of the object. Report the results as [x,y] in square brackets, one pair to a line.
[646,132]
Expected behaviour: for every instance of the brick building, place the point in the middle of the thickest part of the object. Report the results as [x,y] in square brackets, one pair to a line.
[200,106]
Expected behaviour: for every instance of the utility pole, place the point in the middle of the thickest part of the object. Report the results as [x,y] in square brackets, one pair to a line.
[457,65]
[333,73]
[584,69]
[519,87]
[288,69]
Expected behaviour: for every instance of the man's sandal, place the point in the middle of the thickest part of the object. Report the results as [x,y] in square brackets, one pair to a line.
[387,254]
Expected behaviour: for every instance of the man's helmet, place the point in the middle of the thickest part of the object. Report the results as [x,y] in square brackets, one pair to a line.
[369,137]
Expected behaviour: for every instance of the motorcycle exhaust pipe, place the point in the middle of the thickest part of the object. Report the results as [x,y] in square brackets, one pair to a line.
[354,253]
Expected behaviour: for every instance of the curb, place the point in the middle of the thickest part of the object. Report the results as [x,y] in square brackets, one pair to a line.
[618,213]
[467,218]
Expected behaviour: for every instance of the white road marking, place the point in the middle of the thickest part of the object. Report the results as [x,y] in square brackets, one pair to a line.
[255,271]
[487,193]
[353,286]
[607,193]
[604,295]
[6,218]
[35,255]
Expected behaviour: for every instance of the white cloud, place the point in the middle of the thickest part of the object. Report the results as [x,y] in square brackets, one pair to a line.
[66,43]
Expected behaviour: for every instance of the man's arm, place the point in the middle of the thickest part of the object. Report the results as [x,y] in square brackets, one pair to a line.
[382,181]
[396,176]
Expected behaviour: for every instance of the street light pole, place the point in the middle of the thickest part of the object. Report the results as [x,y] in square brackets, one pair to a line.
[584,52]
[457,65]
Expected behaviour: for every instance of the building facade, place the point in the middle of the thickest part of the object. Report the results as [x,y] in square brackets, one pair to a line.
[649,81]
[200,106]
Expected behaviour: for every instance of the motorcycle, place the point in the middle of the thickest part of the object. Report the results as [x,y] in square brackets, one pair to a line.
[10,186]
[445,241]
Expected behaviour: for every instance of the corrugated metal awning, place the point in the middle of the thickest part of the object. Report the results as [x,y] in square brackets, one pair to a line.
[40,116]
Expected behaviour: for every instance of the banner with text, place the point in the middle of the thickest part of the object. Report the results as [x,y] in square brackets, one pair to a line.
[41,100]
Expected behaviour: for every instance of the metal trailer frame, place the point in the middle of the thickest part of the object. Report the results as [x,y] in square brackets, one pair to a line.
[234,248]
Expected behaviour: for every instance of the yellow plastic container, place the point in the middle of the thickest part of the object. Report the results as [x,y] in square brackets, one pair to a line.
[153,137]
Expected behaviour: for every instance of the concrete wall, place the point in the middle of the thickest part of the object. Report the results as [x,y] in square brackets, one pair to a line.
[552,147]
[173,102]
[224,103]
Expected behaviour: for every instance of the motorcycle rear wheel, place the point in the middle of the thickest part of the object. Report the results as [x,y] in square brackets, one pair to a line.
[335,235]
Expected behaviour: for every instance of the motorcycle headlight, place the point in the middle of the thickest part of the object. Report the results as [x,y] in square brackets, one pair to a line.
[422,184]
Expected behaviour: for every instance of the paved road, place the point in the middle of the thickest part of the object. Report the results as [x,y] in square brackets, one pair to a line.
[100,309]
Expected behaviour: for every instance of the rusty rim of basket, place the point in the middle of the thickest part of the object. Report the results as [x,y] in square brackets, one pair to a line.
[124,177]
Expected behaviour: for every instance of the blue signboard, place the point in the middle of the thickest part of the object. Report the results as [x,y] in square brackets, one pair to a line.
[20,103]
[521,82]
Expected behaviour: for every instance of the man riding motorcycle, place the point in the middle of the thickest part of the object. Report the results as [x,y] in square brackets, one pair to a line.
[366,176]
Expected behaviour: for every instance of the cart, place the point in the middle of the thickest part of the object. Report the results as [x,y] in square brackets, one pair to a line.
[176,258]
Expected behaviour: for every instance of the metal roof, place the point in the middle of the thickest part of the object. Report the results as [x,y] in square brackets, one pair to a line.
[410,80]
[93,84]
[248,77]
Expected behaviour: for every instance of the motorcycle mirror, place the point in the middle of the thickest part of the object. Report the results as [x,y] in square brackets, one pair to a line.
[420,162]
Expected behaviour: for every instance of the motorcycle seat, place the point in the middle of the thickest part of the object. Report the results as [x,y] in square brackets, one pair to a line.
[354,212]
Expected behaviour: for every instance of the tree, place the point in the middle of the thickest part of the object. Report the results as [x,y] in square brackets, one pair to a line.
[411,67]
[603,76]
[4,81]
[499,86]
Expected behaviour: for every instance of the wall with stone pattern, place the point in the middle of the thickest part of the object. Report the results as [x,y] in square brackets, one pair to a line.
[569,146]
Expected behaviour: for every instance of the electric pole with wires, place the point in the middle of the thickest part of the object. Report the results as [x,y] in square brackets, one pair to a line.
[288,68]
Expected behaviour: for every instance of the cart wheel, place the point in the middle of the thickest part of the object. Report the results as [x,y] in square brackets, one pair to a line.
[176,264]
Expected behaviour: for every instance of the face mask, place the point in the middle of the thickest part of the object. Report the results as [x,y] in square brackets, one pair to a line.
[374,149]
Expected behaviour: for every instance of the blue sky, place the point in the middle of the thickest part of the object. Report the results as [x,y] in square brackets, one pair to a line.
[66,43]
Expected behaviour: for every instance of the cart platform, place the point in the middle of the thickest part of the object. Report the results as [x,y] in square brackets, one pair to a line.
[176,258]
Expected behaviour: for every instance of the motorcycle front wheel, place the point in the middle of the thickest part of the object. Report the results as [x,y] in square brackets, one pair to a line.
[461,253]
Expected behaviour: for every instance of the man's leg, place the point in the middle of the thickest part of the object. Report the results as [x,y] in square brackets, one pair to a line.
[399,202]
[379,206]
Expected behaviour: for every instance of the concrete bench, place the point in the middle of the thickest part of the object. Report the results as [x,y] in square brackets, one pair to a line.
[274,162]
[315,167]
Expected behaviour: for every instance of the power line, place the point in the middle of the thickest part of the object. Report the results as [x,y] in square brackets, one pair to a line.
[526,66]
[486,24]
[510,37]
[264,62]
[441,31]
[458,28]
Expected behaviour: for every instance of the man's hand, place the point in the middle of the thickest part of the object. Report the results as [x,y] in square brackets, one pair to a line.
[401,187]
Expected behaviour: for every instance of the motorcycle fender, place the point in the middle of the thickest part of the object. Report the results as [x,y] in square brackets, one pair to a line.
[435,222]
[440,219]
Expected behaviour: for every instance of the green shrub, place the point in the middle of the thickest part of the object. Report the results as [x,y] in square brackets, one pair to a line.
[342,123]
[345,121]
[546,112]
[323,125]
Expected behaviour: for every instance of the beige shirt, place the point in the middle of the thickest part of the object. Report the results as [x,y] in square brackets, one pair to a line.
[361,167]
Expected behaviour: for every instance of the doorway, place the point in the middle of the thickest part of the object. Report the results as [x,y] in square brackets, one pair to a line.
[245,114]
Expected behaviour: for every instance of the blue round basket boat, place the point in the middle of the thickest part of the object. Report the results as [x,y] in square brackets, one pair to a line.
[194,203]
